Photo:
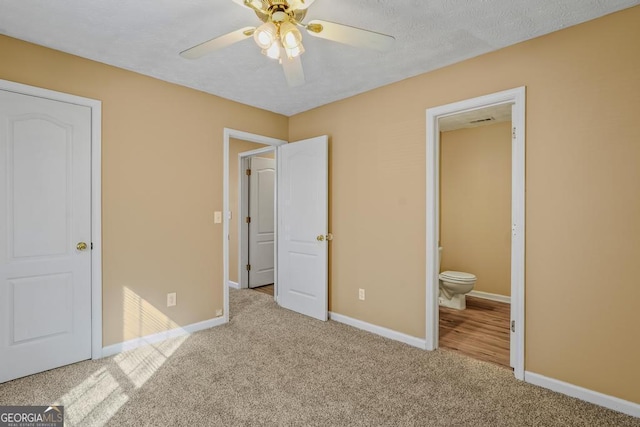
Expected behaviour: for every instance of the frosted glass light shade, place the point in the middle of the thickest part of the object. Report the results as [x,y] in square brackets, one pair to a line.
[273,51]
[265,35]
[290,35]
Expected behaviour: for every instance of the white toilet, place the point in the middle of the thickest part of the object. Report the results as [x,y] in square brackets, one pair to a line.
[453,287]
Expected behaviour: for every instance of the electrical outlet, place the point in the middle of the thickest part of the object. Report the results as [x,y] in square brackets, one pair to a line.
[219,312]
[217,217]
[171,299]
[361,294]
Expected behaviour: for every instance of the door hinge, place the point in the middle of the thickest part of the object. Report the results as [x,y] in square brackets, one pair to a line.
[248,172]
[247,219]
[91,245]
[513,326]
[513,133]
[248,267]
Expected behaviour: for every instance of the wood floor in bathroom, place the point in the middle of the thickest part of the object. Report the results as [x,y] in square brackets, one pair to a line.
[481,331]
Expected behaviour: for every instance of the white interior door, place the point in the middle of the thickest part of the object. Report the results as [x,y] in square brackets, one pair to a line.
[303,227]
[45,212]
[262,224]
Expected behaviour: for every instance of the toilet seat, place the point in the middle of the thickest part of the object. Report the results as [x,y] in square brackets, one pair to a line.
[457,277]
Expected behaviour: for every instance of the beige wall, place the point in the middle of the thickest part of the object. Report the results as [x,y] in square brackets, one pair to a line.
[161,182]
[237,146]
[582,183]
[475,202]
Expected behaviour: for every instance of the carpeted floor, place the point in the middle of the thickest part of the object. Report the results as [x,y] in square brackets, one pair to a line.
[273,367]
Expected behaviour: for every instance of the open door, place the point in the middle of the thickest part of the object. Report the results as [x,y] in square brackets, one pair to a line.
[303,234]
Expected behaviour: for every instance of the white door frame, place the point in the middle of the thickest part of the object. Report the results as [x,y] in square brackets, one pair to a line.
[243,211]
[513,96]
[96,197]
[245,136]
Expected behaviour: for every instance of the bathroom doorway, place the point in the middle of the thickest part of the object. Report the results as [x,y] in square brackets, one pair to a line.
[502,107]
[475,232]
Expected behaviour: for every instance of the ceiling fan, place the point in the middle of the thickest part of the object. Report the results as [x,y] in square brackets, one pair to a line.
[279,38]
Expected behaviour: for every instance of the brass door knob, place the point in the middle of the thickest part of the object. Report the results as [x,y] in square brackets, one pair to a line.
[81,246]
[320,238]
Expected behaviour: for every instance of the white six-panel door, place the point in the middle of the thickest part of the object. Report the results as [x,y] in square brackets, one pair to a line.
[303,227]
[45,216]
[262,225]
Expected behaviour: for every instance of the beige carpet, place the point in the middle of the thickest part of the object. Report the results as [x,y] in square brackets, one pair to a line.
[273,367]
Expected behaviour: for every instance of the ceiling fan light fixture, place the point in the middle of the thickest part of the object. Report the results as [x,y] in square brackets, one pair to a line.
[296,51]
[290,35]
[265,35]
[272,51]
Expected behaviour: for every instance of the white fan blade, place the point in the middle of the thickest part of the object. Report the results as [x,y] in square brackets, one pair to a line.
[350,35]
[300,4]
[293,71]
[217,43]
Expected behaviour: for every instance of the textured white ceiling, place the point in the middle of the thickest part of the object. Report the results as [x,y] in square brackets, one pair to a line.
[147,35]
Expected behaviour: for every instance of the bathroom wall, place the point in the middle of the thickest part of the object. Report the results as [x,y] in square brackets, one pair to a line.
[475,201]
[237,146]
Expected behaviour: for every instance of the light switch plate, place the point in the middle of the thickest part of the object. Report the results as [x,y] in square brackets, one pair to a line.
[217,217]
[171,299]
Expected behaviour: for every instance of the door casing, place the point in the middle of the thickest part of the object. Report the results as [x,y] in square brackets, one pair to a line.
[96,196]
[517,98]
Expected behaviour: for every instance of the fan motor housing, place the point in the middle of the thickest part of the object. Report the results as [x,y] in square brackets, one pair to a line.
[279,11]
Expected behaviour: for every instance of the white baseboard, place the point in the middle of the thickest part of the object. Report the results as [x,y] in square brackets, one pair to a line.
[233,285]
[489,296]
[161,336]
[581,393]
[379,330]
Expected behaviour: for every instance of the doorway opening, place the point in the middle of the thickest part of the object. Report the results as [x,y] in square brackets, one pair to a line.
[475,229]
[230,212]
[513,100]
[255,221]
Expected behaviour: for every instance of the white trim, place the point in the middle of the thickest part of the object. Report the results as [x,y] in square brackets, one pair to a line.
[110,350]
[597,398]
[379,330]
[243,235]
[513,96]
[490,296]
[245,136]
[233,284]
[96,197]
